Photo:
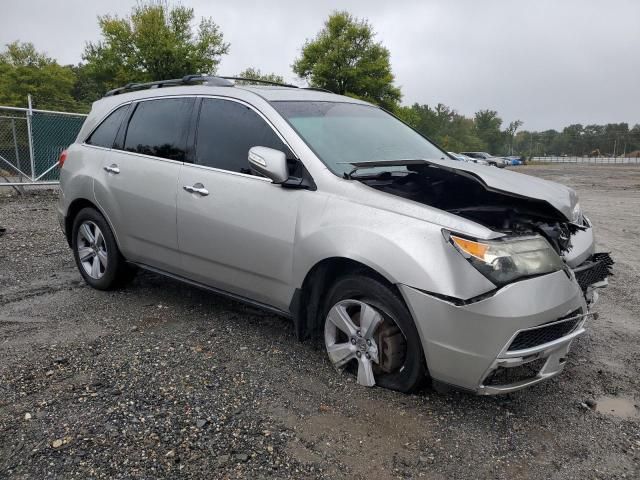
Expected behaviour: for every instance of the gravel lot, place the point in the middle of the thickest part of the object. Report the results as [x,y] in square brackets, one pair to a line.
[162,380]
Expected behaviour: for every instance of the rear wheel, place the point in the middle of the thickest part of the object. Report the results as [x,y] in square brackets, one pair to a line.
[369,331]
[96,253]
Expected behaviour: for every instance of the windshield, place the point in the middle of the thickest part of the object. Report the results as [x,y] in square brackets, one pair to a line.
[340,133]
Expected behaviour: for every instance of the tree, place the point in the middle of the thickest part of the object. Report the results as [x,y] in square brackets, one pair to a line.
[255,74]
[155,42]
[511,133]
[86,89]
[487,126]
[443,125]
[408,115]
[24,71]
[344,58]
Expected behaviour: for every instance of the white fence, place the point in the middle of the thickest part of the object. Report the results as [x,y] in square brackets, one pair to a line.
[589,160]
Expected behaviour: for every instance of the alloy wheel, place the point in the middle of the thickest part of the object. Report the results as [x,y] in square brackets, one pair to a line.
[92,250]
[349,334]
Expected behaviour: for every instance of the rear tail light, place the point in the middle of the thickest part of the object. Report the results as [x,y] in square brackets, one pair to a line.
[63,157]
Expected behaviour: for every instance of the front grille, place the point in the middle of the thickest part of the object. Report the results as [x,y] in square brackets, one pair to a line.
[507,376]
[594,270]
[545,333]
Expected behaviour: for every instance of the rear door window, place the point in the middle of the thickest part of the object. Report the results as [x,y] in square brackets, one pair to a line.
[105,134]
[226,132]
[159,128]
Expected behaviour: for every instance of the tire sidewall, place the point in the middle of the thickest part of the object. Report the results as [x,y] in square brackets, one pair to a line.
[381,297]
[114,261]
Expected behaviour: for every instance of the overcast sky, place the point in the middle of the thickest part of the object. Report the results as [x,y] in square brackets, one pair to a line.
[549,63]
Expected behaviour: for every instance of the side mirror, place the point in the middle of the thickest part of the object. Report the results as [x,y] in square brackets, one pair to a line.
[269,162]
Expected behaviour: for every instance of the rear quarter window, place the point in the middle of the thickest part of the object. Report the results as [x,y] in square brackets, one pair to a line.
[105,134]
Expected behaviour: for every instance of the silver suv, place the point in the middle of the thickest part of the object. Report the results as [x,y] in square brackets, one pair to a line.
[332,212]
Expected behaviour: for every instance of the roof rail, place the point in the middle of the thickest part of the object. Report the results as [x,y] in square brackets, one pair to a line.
[259,80]
[212,80]
[186,80]
[318,89]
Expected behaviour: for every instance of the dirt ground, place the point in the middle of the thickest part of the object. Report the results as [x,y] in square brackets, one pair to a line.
[162,380]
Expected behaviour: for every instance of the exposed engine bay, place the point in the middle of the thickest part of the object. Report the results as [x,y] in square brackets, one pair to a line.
[464,195]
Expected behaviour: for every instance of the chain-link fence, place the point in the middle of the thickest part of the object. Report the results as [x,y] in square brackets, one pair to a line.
[31,142]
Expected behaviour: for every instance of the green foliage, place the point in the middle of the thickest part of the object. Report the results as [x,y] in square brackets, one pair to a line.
[408,115]
[344,58]
[255,74]
[443,125]
[155,42]
[487,126]
[87,89]
[25,71]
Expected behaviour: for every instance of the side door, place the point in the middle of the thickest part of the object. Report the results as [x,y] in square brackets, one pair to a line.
[136,187]
[236,229]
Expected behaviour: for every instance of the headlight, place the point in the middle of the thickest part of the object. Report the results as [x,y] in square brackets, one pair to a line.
[576,214]
[506,260]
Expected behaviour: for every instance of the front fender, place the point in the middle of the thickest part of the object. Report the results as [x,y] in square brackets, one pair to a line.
[402,249]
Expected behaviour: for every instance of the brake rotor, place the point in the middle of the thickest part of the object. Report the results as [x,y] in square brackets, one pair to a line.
[392,348]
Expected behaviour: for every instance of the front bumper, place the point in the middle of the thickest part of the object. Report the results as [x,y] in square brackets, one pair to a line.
[516,369]
[466,345]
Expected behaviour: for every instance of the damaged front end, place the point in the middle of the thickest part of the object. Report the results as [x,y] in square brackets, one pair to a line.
[514,205]
[593,274]
[541,261]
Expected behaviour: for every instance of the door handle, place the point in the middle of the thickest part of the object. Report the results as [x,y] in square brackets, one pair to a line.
[113,168]
[197,188]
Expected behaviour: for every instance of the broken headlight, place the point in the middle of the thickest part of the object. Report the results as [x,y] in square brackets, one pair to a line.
[503,261]
[576,214]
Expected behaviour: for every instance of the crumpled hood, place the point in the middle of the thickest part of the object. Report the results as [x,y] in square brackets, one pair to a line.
[559,196]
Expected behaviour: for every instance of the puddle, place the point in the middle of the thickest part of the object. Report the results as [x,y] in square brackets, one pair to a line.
[621,407]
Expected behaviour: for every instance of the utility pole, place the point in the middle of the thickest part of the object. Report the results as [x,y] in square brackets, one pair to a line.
[615,143]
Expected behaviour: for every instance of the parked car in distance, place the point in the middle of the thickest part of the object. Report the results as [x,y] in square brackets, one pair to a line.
[327,210]
[490,159]
[464,158]
[505,161]
[514,160]
[457,156]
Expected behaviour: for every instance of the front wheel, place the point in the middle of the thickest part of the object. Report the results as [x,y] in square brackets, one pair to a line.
[369,331]
[96,253]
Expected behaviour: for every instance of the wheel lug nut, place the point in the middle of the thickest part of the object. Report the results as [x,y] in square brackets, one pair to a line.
[359,333]
[368,356]
[369,342]
[358,354]
[353,341]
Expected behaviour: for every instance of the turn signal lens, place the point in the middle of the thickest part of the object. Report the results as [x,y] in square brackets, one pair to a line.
[474,249]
